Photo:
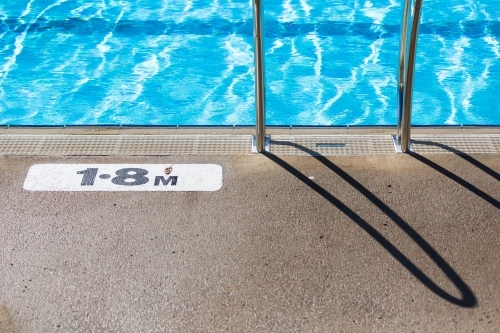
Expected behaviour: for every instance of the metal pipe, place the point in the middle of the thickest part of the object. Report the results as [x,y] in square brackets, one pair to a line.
[260,89]
[402,62]
[408,89]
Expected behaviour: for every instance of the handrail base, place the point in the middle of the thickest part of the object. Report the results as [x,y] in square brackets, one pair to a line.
[267,144]
[397,145]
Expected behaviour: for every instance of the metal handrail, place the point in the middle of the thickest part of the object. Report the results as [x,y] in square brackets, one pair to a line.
[406,70]
[260,89]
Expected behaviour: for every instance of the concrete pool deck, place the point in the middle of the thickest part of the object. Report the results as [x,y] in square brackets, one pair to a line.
[366,243]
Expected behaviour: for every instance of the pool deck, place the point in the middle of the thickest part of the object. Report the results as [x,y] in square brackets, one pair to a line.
[356,243]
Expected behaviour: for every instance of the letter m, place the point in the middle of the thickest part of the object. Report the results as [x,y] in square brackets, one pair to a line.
[172,179]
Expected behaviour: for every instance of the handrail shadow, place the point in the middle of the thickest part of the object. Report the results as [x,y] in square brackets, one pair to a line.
[456,178]
[468,299]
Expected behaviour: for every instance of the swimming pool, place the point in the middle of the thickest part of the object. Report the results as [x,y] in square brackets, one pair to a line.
[180,62]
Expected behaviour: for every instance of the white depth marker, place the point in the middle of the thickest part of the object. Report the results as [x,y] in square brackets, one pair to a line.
[124,177]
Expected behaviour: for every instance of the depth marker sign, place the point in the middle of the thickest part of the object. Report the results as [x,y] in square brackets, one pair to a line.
[124,177]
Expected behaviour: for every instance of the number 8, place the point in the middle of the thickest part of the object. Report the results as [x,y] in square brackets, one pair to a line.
[130,173]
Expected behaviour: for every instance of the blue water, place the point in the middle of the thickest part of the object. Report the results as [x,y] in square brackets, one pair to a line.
[180,62]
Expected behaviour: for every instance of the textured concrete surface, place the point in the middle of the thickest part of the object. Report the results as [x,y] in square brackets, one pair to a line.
[390,243]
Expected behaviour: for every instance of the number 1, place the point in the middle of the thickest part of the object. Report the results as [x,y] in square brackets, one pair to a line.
[88,176]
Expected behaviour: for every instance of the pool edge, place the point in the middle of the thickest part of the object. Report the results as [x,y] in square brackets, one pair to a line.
[241,130]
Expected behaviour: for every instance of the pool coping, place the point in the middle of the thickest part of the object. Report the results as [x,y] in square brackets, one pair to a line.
[241,130]
[366,141]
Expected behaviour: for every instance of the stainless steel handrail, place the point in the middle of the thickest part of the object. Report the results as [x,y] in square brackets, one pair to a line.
[260,82]
[402,62]
[406,70]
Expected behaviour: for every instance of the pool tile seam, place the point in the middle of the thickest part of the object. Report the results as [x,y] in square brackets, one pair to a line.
[117,130]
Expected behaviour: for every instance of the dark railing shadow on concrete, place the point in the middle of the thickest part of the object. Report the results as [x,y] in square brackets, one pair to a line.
[456,178]
[468,299]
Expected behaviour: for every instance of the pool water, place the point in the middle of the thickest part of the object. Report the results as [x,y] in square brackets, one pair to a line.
[188,62]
